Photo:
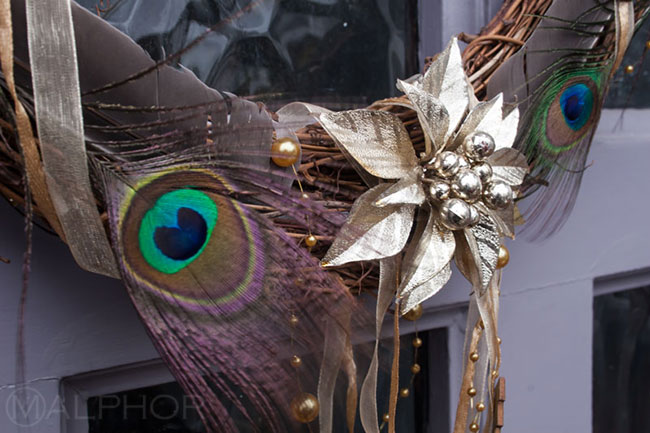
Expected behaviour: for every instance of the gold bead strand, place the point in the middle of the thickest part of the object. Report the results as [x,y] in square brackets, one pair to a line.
[285,152]
[413,315]
[304,406]
[310,239]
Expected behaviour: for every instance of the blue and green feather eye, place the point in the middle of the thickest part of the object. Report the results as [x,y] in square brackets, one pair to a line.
[175,231]
[577,103]
[185,239]
[570,112]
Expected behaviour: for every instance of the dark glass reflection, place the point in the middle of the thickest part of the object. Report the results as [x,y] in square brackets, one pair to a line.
[155,409]
[339,53]
[621,361]
[166,408]
[631,90]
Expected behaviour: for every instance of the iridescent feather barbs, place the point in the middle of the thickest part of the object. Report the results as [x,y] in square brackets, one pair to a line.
[559,79]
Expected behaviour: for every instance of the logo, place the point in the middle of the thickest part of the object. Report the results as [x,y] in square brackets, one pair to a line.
[26,407]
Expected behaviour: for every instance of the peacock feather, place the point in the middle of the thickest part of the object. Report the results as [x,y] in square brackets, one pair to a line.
[559,80]
[216,285]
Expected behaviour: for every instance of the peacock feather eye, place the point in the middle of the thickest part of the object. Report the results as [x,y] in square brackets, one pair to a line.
[186,240]
[176,229]
[577,102]
[570,112]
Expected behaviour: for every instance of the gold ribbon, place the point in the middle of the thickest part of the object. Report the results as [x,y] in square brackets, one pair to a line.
[482,319]
[624,15]
[394,372]
[462,410]
[368,396]
[350,368]
[34,171]
[336,338]
[57,101]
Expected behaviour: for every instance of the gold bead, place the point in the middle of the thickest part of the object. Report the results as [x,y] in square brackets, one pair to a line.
[647,45]
[495,373]
[285,152]
[473,427]
[473,357]
[471,392]
[404,392]
[417,342]
[304,408]
[385,418]
[414,313]
[311,241]
[504,257]
[480,407]
[629,69]
[304,196]
[293,320]
[499,340]
[415,368]
[296,361]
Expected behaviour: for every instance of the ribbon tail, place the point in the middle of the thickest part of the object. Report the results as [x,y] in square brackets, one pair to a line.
[472,340]
[350,368]
[368,398]
[334,348]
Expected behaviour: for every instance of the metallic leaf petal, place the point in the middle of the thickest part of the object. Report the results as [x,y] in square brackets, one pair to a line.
[445,79]
[426,290]
[428,254]
[377,140]
[504,136]
[508,165]
[484,241]
[485,117]
[465,260]
[298,114]
[432,114]
[371,232]
[504,218]
[406,191]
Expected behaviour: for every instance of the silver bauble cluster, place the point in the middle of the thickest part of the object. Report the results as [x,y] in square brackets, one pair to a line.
[456,181]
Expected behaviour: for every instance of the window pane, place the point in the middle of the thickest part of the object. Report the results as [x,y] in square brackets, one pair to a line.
[337,52]
[631,90]
[165,407]
[160,408]
[621,356]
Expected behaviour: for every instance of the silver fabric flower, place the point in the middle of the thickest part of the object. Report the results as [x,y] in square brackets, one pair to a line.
[455,199]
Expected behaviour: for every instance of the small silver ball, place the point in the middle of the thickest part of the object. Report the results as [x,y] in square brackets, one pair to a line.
[463,162]
[455,214]
[478,145]
[446,164]
[474,216]
[467,185]
[484,172]
[439,190]
[498,195]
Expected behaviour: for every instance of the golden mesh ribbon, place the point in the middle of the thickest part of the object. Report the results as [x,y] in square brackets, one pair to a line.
[33,168]
[368,396]
[57,101]
[336,338]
